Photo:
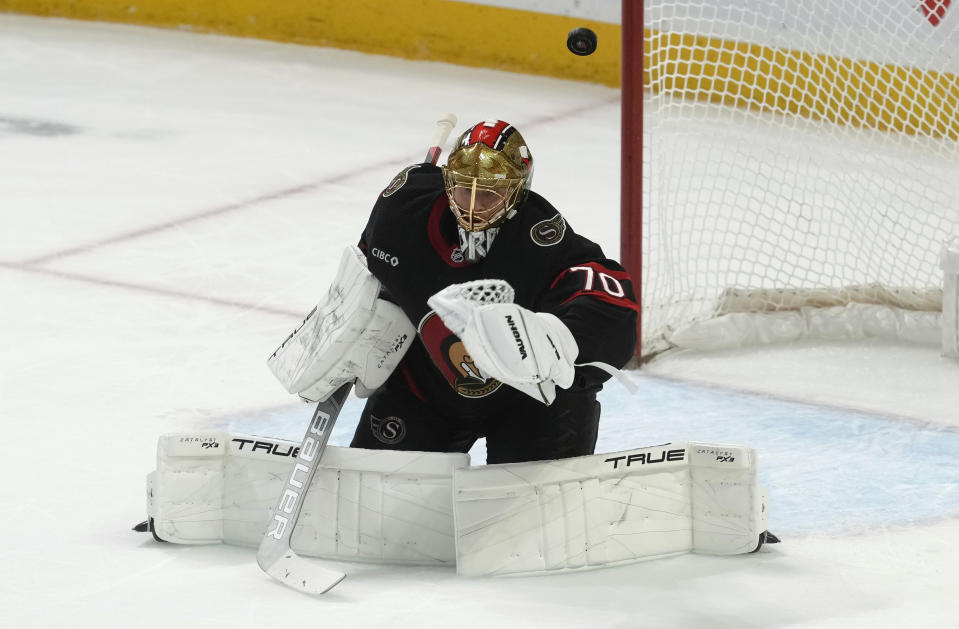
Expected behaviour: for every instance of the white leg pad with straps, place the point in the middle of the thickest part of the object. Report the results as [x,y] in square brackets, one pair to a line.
[607,509]
[366,505]
[433,509]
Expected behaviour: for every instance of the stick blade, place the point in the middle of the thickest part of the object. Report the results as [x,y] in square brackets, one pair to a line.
[300,574]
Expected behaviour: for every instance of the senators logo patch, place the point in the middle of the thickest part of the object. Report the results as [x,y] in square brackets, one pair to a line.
[549,232]
[398,181]
[450,357]
[389,430]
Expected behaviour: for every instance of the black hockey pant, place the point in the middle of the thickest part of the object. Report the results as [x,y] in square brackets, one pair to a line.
[529,431]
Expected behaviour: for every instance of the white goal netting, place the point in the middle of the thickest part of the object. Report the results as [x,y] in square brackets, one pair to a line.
[796,148]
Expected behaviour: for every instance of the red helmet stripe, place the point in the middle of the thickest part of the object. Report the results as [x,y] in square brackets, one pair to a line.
[494,136]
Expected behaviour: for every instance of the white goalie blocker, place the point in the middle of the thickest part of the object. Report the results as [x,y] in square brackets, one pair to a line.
[434,509]
[351,334]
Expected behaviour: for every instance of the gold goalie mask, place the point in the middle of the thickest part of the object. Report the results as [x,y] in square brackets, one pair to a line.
[487,176]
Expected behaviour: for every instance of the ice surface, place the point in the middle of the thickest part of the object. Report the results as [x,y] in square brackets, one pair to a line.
[171,204]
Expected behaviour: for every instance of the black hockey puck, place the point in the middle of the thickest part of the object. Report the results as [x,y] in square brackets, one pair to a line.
[581,41]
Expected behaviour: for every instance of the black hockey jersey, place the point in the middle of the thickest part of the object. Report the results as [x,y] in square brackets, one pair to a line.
[412,248]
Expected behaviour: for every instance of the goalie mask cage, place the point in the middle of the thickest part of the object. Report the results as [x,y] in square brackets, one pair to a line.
[786,153]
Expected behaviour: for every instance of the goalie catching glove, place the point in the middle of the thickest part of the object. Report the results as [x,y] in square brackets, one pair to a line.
[530,351]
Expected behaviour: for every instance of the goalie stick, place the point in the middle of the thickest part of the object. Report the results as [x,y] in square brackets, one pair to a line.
[443,128]
[275,555]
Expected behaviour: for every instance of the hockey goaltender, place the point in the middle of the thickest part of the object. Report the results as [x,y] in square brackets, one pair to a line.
[469,309]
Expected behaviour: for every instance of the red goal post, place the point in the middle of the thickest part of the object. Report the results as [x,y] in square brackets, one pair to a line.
[631,186]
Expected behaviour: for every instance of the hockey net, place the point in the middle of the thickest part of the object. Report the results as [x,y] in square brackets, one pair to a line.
[798,157]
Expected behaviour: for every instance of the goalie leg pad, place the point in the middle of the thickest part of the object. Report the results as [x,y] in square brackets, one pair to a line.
[365,505]
[606,509]
[400,507]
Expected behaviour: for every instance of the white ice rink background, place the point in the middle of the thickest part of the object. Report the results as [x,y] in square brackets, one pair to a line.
[171,204]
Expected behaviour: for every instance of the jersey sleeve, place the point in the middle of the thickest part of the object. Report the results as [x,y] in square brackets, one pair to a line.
[596,301]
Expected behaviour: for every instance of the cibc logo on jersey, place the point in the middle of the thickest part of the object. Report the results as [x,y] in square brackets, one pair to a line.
[379,254]
[450,357]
